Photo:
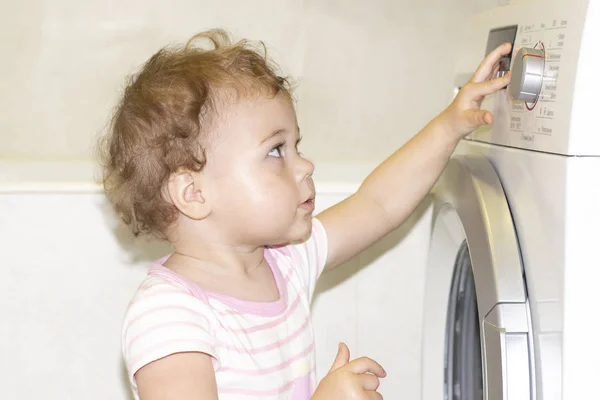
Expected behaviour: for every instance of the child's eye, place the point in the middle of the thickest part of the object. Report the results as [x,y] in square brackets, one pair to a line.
[298,144]
[276,151]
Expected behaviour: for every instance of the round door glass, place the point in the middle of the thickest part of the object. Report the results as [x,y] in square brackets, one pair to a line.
[463,362]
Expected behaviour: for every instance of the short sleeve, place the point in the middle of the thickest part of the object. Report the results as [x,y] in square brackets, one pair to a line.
[310,256]
[164,319]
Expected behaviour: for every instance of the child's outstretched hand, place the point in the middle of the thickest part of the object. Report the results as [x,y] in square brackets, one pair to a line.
[464,115]
[350,380]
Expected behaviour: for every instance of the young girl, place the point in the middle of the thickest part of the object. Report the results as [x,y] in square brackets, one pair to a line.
[203,152]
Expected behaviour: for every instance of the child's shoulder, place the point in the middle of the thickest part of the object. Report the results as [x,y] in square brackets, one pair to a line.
[162,289]
[160,319]
[158,287]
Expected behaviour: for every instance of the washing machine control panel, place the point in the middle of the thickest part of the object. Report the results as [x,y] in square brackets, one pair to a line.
[532,93]
[548,104]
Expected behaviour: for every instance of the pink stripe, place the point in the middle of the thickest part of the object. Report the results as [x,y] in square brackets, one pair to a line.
[272,392]
[285,249]
[158,293]
[163,325]
[291,271]
[275,368]
[273,323]
[196,345]
[169,307]
[271,346]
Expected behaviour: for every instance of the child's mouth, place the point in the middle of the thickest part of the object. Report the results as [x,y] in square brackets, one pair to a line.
[308,205]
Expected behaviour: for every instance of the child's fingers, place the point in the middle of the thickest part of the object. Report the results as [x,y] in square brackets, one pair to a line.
[476,117]
[363,365]
[494,71]
[486,66]
[342,358]
[374,396]
[369,382]
[479,90]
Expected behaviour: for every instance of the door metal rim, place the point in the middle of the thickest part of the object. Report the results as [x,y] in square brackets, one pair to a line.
[471,186]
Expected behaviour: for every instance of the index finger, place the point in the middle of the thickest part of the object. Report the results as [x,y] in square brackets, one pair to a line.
[487,65]
[364,364]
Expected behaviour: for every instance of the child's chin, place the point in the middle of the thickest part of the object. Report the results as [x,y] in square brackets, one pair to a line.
[304,231]
[299,233]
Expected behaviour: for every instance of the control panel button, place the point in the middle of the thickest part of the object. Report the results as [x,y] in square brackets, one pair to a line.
[527,75]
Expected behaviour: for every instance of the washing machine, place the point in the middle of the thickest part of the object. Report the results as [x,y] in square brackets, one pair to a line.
[512,286]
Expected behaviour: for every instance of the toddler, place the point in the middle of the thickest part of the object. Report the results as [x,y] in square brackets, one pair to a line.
[203,153]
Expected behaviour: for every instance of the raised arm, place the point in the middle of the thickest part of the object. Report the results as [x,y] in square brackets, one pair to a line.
[395,188]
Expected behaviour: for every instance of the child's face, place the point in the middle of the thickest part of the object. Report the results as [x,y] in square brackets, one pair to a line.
[261,189]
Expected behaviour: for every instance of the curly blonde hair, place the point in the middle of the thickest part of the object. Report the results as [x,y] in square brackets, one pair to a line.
[162,122]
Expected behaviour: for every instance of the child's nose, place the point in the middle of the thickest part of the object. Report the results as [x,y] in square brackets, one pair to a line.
[305,168]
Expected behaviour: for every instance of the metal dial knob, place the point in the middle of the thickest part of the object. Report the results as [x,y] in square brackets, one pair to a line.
[527,75]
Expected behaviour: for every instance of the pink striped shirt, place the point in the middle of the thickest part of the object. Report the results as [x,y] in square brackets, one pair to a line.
[259,350]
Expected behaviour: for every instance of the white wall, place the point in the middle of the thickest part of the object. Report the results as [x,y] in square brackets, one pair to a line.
[373,304]
[371,73]
[69,270]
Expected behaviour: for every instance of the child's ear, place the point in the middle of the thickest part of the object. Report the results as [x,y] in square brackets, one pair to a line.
[185,191]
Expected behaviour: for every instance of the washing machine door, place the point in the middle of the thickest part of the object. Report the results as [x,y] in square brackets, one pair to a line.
[476,328]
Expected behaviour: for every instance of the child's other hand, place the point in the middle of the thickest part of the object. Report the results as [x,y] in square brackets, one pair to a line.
[464,115]
[350,380]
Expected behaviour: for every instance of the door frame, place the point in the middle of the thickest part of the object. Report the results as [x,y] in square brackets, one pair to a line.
[470,204]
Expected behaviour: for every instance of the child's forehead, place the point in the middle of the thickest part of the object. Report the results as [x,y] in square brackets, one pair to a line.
[256,111]
[248,123]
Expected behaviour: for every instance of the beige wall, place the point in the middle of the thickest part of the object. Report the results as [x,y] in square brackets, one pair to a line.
[371,73]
